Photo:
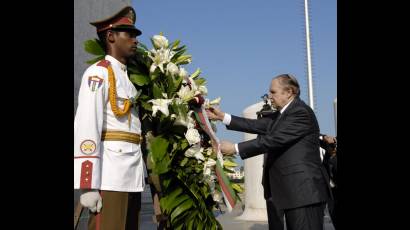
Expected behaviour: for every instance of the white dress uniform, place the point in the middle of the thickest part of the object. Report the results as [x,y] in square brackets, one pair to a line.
[106,164]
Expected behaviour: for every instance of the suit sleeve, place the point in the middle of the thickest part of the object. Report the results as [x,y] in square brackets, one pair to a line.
[87,130]
[249,125]
[285,133]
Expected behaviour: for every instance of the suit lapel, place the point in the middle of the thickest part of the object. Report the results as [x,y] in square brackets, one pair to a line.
[280,117]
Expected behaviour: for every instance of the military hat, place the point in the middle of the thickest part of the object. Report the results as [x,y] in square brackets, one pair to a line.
[123,20]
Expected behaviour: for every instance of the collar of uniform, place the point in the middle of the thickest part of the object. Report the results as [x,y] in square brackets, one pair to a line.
[116,62]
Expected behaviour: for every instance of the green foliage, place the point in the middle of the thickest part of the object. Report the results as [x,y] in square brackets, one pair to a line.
[94,47]
[186,199]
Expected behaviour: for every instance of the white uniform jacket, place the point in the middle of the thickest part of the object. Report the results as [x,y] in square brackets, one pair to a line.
[106,165]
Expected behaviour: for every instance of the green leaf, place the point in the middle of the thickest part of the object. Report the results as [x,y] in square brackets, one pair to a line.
[177,55]
[94,60]
[237,187]
[228,170]
[184,161]
[199,226]
[177,201]
[171,85]
[184,144]
[200,81]
[169,199]
[159,147]
[190,223]
[175,44]
[139,79]
[229,164]
[156,91]
[93,47]
[162,166]
[183,59]
[196,73]
[180,48]
[181,208]
[167,181]
[133,69]
[142,45]
[146,106]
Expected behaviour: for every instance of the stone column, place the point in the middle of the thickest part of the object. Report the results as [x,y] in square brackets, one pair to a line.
[255,205]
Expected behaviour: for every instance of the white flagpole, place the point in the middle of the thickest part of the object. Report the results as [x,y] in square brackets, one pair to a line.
[309,64]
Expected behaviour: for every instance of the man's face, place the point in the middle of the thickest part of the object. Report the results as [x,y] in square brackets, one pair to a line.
[277,95]
[126,43]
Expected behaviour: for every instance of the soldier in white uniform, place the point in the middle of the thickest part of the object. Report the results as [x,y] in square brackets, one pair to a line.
[108,162]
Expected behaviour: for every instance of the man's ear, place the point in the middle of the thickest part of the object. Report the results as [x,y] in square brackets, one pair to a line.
[110,36]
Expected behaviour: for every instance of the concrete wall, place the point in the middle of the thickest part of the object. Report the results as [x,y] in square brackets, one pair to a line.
[86,11]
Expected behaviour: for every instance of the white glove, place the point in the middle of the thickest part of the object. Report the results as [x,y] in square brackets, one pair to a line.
[92,200]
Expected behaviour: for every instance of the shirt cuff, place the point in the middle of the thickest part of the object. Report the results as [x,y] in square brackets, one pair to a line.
[236,148]
[227,119]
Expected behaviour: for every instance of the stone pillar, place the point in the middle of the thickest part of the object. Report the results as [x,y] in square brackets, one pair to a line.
[255,205]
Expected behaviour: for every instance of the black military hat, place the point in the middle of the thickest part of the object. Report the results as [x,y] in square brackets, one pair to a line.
[123,20]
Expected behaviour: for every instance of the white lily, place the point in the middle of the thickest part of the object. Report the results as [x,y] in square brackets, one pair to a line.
[217,196]
[159,58]
[192,136]
[207,171]
[216,101]
[203,90]
[183,73]
[209,151]
[210,163]
[186,93]
[187,121]
[159,41]
[148,138]
[195,151]
[172,69]
[161,105]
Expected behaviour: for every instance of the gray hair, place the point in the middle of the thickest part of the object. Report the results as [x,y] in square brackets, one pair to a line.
[288,81]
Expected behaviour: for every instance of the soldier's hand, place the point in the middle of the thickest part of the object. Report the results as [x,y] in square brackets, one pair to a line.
[215,114]
[92,200]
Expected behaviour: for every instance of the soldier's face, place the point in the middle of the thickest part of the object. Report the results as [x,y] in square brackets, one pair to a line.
[126,42]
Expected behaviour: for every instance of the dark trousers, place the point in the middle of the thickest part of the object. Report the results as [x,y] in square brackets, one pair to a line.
[332,206]
[120,211]
[275,216]
[308,217]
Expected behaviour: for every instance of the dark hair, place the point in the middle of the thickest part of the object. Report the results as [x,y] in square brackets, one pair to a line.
[289,82]
[102,36]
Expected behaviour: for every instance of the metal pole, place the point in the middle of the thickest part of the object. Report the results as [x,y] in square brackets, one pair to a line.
[335,111]
[309,64]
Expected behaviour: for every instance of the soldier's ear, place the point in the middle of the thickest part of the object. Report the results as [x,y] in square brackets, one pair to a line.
[110,36]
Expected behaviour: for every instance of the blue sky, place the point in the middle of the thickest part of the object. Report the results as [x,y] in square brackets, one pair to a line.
[241,45]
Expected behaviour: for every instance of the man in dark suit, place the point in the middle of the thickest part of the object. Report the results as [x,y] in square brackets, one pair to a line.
[293,177]
[329,144]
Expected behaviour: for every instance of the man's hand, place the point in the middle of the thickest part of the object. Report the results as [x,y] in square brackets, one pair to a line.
[92,200]
[329,139]
[215,114]
[227,148]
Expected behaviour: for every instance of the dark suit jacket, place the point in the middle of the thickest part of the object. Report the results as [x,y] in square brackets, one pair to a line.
[293,174]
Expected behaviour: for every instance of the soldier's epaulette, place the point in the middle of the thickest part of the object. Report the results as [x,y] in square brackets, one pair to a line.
[104,63]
